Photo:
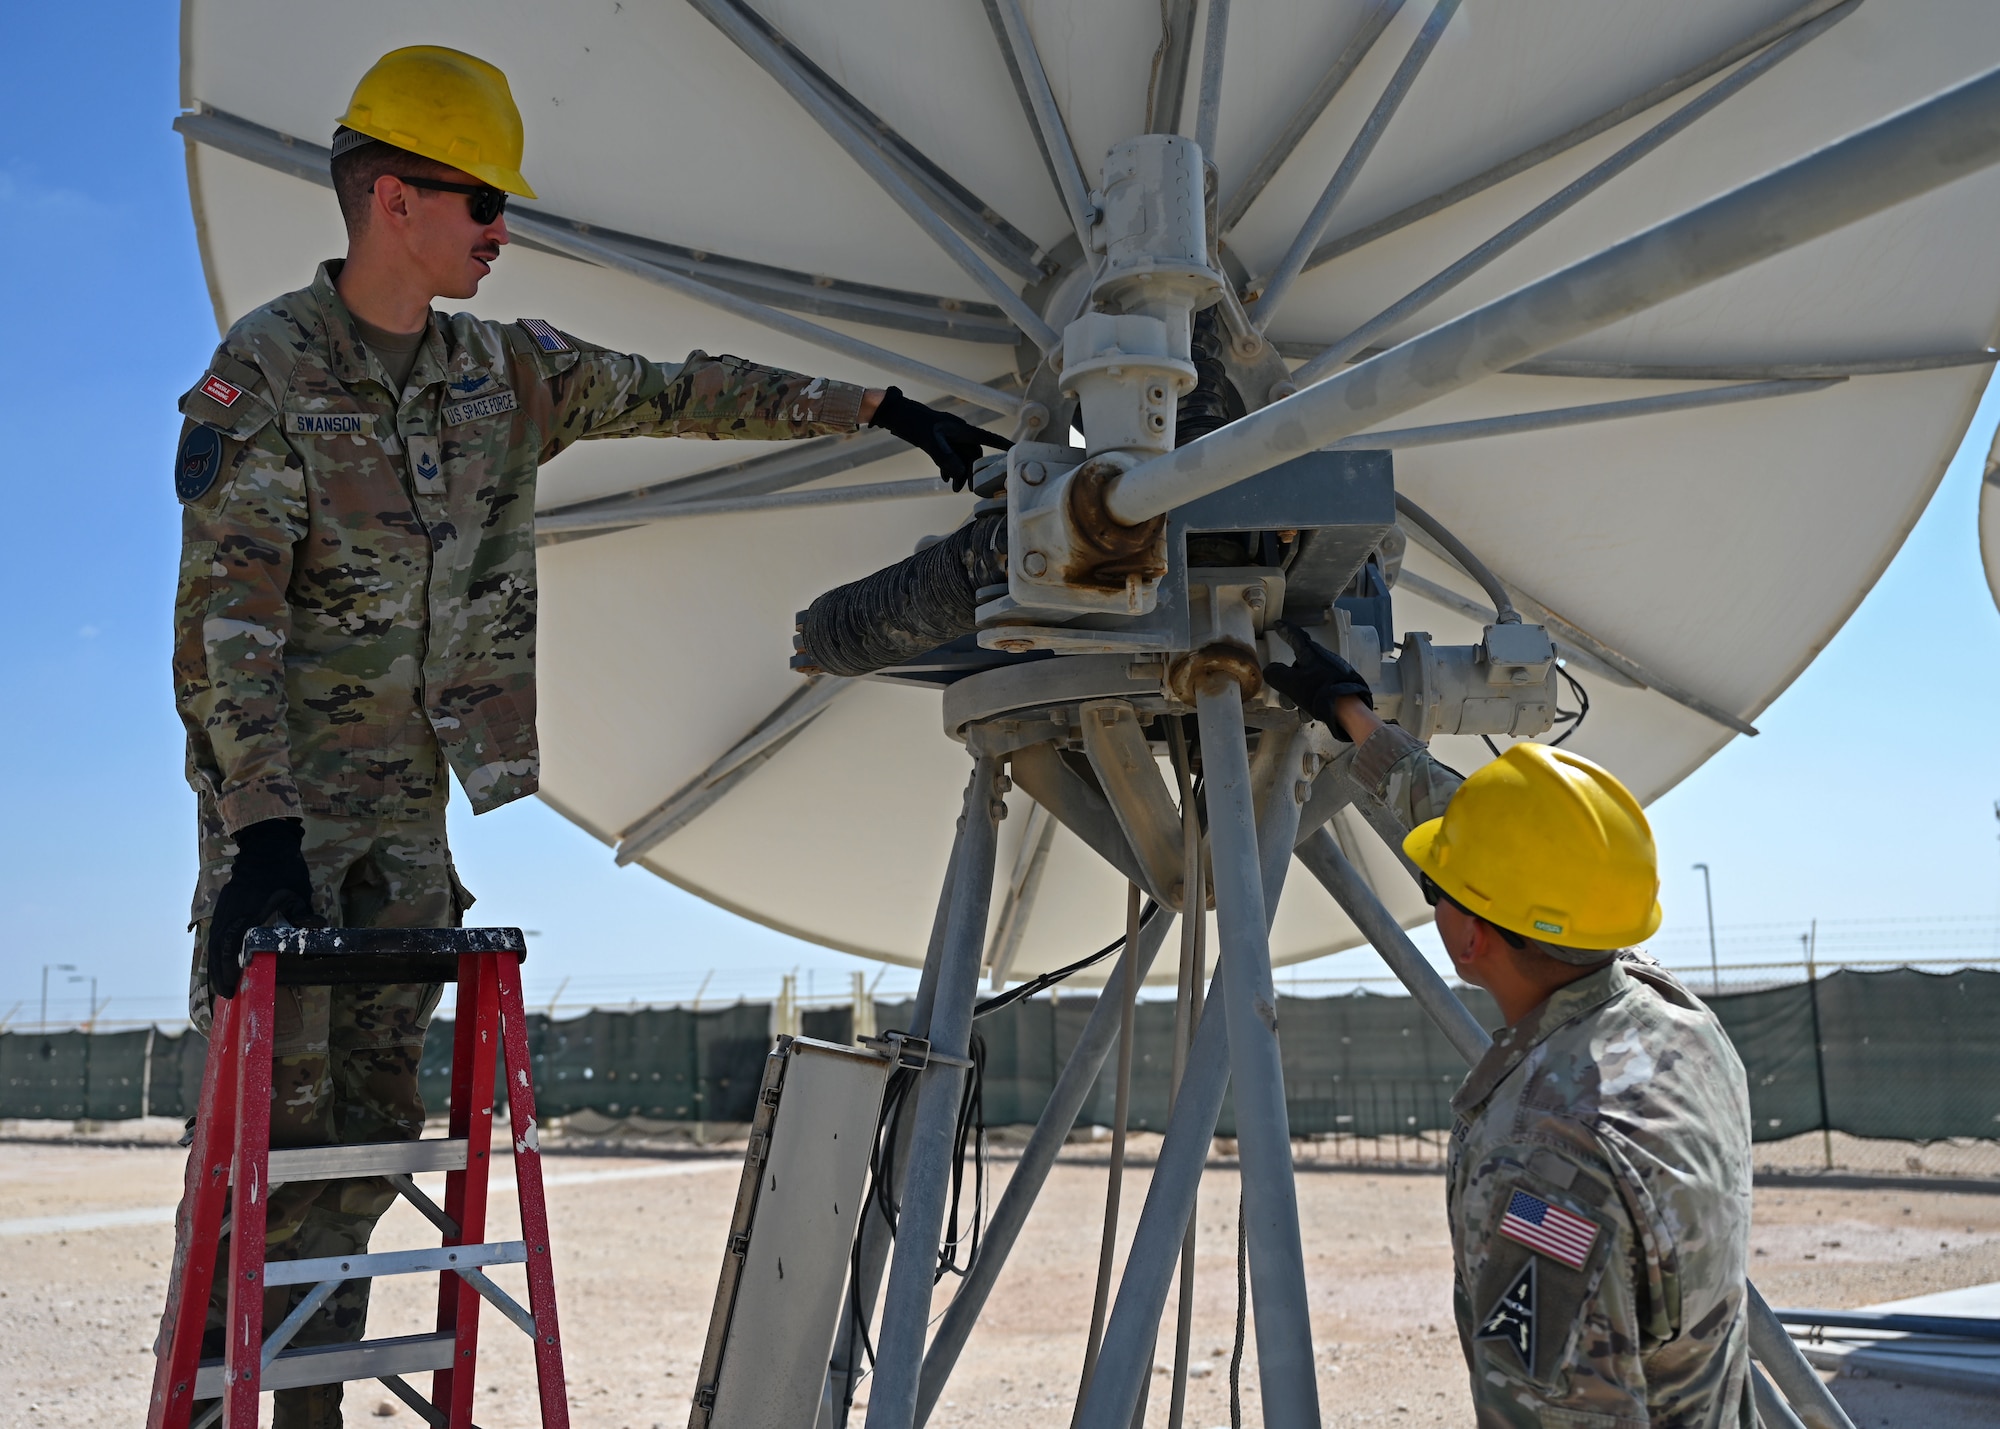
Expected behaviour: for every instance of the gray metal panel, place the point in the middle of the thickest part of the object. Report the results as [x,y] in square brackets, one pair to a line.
[808,1204]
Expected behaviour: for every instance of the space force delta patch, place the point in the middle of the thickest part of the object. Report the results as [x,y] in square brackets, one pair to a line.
[474,408]
[1512,1318]
[324,424]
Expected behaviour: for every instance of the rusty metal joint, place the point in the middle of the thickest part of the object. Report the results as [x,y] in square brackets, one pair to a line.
[1205,670]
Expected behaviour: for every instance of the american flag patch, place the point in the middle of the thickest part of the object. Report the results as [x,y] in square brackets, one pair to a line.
[1549,1229]
[546,337]
[223,394]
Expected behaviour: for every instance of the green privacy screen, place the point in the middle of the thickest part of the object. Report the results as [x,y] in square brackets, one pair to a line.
[1900,1055]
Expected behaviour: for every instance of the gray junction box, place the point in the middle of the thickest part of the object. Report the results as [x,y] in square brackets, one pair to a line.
[777,1307]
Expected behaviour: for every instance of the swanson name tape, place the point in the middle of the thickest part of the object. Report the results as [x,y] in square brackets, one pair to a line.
[324,424]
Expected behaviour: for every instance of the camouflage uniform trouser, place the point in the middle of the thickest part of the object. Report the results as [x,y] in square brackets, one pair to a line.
[344,1063]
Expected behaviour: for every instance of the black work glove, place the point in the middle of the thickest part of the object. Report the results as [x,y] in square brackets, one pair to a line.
[1316,678]
[952,442]
[267,882]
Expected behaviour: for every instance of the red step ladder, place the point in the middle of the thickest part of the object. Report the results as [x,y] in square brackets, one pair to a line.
[232,1148]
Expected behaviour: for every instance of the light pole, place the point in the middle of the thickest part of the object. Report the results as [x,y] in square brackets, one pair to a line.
[91,1024]
[1714,966]
[47,968]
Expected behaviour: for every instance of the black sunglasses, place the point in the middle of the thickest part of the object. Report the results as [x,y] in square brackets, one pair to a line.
[1435,895]
[487,203]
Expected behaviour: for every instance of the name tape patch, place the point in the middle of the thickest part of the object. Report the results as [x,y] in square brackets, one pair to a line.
[223,394]
[324,424]
[472,409]
[546,337]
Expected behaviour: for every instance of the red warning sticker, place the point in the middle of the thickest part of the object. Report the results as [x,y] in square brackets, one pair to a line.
[222,393]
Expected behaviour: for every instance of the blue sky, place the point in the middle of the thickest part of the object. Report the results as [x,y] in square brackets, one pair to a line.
[1868,802]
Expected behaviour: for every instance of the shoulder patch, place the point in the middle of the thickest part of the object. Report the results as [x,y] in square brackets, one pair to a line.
[222,393]
[1511,1319]
[198,462]
[546,337]
[1562,1235]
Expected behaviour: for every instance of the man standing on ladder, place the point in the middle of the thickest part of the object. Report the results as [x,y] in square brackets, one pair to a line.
[357,598]
[1598,1185]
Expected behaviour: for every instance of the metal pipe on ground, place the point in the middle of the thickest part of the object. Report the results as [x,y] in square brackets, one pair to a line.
[1773,1347]
[1909,154]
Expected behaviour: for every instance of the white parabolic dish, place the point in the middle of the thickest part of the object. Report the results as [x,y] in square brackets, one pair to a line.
[1719,548]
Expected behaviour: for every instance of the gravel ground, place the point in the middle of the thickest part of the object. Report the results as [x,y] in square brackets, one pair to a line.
[638,1240]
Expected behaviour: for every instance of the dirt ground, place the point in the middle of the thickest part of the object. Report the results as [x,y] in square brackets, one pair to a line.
[85,1236]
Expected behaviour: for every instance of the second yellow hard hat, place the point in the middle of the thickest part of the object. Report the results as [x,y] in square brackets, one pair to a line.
[446,105]
[1546,844]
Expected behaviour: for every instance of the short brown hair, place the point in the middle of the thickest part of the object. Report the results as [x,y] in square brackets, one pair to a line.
[356,168]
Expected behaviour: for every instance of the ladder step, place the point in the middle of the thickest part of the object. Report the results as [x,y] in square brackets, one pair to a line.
[335,1364]
[378,1158]
[394,1262]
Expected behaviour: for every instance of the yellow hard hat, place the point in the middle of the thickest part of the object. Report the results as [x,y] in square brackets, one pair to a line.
[446,105]
[1546,844]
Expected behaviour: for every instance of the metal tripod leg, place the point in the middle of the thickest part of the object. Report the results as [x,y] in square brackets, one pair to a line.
[1769,1341]
[1263,1130]
[1065,1102]
[875,1235]
[1127,1355]
[913,1269]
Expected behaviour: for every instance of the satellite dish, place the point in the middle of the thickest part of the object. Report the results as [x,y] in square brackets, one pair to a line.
[1989,519]
[1728,474]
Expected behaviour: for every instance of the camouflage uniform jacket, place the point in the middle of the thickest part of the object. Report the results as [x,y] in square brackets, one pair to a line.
[357,583]
[1598,1191]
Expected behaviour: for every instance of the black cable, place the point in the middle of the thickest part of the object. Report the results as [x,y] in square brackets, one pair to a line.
[971,1128]
[1572,718]
[1574,721]
[1050,979]
[881,1181]
[1242,1309]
